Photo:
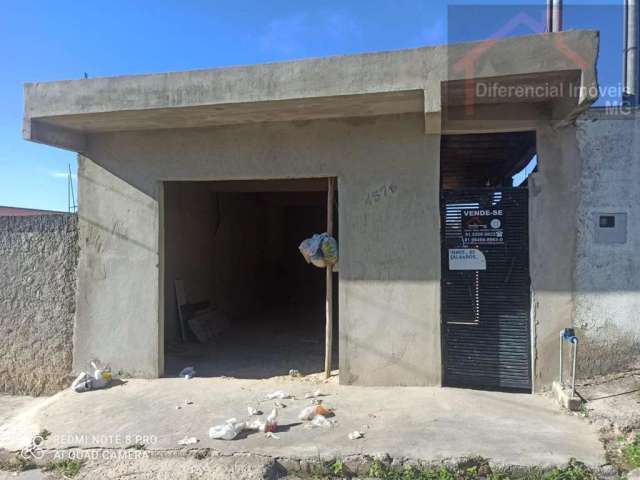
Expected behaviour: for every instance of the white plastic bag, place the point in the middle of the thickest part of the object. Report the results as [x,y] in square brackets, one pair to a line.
[101,378]
[320,250]
[321,421]
[82,383]
[187,372]
[310,412]
[188,441]
[307,413]
[228,430]
[278,394]
[315,394]
[101,375]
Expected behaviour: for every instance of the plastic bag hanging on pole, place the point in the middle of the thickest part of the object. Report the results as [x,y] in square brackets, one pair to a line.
[320,250]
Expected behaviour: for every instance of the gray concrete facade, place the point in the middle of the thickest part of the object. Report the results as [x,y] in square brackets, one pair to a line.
[38,259]
[607,279]
[373,121]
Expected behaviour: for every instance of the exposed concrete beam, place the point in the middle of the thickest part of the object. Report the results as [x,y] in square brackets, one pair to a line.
[345,86]
[41,132]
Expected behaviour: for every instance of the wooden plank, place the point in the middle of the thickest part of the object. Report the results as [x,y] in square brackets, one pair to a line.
[181,300]
[329,286]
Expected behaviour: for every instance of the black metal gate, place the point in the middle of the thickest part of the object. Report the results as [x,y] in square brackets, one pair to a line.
[486,289]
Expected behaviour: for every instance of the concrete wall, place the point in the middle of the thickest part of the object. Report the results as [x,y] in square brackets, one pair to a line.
[190,217]
[607,276]
[553,200]
[389,233]
[38,258]
[117,319]
[387,171]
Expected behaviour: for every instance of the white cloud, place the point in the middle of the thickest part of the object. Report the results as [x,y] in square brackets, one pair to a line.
[63,175]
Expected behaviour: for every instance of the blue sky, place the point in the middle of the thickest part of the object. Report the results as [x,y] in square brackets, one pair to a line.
[62,39]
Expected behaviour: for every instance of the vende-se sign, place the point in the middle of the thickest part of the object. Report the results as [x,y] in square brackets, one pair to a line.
[482,226]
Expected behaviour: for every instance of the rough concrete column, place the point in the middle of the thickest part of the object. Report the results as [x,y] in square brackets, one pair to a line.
[553,206]
[117,311]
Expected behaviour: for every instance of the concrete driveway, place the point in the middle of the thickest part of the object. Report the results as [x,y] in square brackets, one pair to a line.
[427,424]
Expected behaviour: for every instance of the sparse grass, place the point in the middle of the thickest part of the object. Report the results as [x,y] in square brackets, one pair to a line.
[631,453]
[339,469]
[574,471]
[474,469]
[335,469]
[44,433]
[17,464]
[67,468]
[584,411]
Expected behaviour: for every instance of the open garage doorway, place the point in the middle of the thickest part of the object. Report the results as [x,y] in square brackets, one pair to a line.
[231,260]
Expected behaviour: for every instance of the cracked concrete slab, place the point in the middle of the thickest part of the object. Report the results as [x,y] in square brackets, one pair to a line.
[426,424]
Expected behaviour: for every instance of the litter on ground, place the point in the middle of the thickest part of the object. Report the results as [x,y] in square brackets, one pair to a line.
[188,441]
[355,435]
[187,372]
[228,430]
[101,378]
[253,411]
[319,421]
[315,394]
[310,412]
[279,395]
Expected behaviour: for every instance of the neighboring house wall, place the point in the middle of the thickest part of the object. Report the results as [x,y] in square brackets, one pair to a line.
[38,257]
[607,276]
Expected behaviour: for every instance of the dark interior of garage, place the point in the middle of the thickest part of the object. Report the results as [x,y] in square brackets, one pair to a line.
[251,305]
[487,160]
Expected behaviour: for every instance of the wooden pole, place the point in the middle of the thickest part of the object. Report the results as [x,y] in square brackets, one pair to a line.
[329,288]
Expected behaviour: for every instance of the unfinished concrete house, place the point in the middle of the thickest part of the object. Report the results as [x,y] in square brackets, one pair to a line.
[456,256]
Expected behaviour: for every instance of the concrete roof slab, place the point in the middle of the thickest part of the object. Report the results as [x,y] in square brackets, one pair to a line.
[63,113]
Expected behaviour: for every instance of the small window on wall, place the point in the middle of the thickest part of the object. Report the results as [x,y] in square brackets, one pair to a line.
[610,228]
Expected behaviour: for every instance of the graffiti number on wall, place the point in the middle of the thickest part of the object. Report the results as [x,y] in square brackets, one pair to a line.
[381,193]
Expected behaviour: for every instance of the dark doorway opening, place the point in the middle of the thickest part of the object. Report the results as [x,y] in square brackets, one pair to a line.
[234,247]
[486,300]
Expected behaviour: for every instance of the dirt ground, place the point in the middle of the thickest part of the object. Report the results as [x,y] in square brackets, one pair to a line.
[612,404]
[264,346]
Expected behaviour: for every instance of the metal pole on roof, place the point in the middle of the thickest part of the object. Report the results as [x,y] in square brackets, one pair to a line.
[328,345]
[69,191]
[631,83]
[72,203]
[554,15]
[557,15]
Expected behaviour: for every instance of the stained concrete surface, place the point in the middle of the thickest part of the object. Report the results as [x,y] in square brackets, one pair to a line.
[267,344]
[429,424]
